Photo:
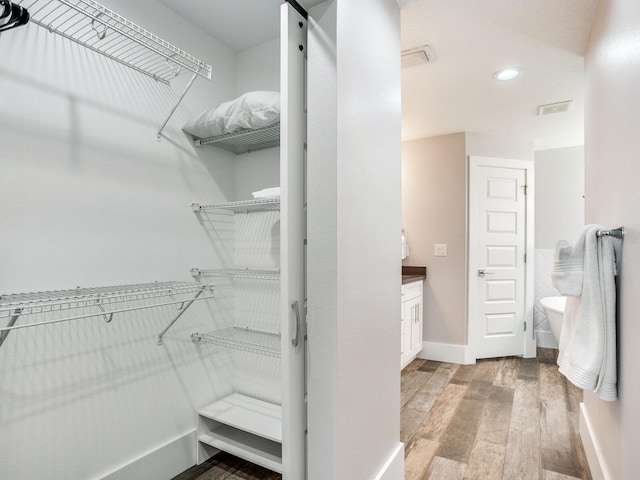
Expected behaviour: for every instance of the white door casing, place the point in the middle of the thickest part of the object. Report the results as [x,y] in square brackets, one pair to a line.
[293,127]
[500,269]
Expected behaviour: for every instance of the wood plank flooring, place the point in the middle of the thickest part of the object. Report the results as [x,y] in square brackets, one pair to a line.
[502,419]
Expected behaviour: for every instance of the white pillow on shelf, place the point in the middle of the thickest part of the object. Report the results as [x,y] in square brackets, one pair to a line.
[252,110]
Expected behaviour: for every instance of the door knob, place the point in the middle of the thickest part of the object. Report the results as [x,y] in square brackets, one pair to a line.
[482,273]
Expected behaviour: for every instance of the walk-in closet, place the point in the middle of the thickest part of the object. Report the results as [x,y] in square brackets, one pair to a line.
[154,228]
[195,254]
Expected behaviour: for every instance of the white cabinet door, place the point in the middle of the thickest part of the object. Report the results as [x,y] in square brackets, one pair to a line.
[416,327]
[411,322]
[403,330]
[413,333]
[293,136]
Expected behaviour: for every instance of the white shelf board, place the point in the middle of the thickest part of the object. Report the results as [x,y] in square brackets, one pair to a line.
[257,450]
[248,414]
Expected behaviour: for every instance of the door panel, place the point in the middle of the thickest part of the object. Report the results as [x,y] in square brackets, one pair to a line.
[497,211]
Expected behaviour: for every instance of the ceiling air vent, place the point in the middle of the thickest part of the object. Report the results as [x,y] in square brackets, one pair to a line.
[417,56]
[559,107]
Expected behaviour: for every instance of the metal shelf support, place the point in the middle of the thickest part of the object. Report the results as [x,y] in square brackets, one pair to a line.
[183,308]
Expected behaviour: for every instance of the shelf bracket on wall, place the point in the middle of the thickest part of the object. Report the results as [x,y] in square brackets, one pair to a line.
[184,92]
[10,323]
[183,308]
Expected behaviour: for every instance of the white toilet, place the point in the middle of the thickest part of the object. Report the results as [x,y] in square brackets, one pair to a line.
[554,311]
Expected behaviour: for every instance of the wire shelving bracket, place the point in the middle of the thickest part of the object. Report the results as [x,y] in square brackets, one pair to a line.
[104,301]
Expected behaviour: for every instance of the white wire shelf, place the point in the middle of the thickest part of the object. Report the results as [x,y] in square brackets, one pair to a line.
[242,206]
[100,29]
[244,141]
[101,301]
[245,339]
[237,273]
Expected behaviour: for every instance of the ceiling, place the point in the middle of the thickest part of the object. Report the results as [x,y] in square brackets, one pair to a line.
[238,24]
[471,39]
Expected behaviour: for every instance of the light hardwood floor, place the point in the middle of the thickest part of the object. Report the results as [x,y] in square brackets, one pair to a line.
[504,419]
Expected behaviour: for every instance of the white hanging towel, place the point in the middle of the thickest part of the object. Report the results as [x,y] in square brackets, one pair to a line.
[584,270]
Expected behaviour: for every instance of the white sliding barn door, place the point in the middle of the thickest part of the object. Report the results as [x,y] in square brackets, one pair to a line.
[293,134]
[499,238]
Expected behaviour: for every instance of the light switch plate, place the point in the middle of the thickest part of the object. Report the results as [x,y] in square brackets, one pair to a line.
[440,250]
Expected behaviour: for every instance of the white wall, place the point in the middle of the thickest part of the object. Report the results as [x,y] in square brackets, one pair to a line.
[559,215]
[434,211]
[354,230]
[501,147]
[612,71]
[559,195]
[90,198]
[257,68]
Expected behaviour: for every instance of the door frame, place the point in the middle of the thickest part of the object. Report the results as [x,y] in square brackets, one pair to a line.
[473,165]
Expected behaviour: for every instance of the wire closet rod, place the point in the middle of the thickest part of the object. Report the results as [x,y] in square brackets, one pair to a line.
[614,232]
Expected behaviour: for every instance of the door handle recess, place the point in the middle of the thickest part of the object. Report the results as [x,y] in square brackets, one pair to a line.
[482,273]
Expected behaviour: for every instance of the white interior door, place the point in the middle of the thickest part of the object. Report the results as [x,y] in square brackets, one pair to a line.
[497,256]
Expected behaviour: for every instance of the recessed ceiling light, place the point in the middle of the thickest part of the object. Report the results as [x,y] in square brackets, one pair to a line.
[507,73]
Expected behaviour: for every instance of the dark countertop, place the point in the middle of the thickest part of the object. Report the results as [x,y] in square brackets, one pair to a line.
[413,274]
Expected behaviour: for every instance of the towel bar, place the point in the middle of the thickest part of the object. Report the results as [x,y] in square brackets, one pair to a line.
[615,232]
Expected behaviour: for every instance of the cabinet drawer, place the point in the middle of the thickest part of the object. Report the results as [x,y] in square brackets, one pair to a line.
[412,290]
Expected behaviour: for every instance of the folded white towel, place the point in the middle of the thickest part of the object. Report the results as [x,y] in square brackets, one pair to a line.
[587,354]
[273,192]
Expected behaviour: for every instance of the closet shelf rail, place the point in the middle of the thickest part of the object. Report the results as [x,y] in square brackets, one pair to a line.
[242,206]
[97,302]
[100,29]
[241,338]
[238,273]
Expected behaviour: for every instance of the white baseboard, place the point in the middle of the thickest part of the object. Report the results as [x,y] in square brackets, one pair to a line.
[393,468]
[591,448]
[164,462]
[546,340]
[445,352]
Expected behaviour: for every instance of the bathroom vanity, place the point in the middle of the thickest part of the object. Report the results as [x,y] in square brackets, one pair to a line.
[411,313]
